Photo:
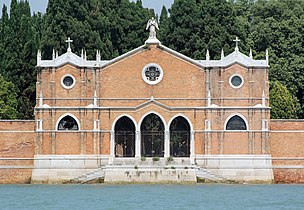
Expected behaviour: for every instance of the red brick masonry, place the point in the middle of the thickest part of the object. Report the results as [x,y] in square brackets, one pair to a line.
[287,150]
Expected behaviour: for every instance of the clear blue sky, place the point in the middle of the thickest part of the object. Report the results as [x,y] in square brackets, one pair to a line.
[40,5]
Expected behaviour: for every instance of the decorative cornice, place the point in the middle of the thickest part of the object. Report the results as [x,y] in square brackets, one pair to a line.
[235,57]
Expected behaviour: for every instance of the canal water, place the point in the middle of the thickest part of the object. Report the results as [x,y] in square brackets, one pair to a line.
[171,197]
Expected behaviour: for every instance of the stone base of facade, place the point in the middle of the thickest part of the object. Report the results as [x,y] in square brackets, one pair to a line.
[65,168]
[239,168]
[211,168]
[149,174]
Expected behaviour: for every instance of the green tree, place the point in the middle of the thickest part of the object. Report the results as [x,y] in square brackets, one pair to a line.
[18,61]
[111,26]
[278,25]
[198,25]
[163,23]
[8,100]
[283,104]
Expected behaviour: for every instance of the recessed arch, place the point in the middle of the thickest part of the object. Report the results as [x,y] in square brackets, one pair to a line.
[181,115]
[124,137]
[124,115]
[180,139]
[152,129]
[152,112]
[236,121]
[69,122]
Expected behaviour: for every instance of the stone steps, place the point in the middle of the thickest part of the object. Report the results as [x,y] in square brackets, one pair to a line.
[204,175]
[94,175]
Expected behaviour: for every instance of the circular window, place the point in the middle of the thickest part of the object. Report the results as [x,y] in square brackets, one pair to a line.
[152,74]
[236,81]
[68,81]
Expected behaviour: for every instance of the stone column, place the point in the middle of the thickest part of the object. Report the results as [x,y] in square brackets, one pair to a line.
[137,144]
[112,147]
[167,144]
[192,148]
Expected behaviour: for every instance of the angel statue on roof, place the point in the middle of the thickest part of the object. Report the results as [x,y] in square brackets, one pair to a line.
[152,26]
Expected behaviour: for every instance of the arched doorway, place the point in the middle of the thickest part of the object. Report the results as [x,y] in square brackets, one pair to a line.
[180,137]
[152,136]
[124,138]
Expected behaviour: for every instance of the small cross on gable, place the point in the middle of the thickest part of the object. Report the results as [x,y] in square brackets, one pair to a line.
[237,40]
[69,41]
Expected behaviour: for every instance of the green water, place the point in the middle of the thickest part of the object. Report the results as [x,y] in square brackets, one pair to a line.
[151,197]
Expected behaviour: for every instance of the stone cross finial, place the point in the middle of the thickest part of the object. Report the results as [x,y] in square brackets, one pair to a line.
[222,54]
[250,54]
[39,58]
[207,55]
[237,40]
[69,41]
[267,56]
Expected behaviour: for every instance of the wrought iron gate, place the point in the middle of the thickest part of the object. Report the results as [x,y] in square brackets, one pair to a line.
[124,144]
[180,144]
[152,144]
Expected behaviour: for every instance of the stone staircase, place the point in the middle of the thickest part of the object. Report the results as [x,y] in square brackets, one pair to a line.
[131,170]
[205,176]
[96,176]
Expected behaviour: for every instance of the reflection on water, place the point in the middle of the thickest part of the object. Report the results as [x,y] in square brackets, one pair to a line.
[200,196]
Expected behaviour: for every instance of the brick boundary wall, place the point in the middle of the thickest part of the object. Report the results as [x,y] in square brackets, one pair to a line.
[287,150]
[16,151]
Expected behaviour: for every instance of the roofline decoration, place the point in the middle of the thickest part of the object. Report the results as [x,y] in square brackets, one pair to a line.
[235,57]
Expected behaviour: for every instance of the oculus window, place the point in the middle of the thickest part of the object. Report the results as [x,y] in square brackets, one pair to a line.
[68,123]
[68,81]
[152,74]
[236,81]
[236,123]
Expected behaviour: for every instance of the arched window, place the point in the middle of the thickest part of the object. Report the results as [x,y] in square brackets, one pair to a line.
[236,123]
[68,123]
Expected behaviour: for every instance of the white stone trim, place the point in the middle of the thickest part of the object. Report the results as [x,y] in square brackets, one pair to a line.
[144,75]
[39,124]
[236,114]
[208,125]
[230,81]
[64,115]
[68,87]
[264,124]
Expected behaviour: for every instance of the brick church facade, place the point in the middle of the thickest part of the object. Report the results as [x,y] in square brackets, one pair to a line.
[152,108]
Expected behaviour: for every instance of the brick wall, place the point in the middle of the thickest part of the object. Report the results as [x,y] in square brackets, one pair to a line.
[287,150]
[16,151]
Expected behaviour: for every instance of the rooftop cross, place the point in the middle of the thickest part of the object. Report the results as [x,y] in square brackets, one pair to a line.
[237,40]
[69,41]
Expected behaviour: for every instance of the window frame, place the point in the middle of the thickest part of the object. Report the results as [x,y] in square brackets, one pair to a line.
[159,78]
[232,85]
[68,87]
[233,115]
[63,116]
